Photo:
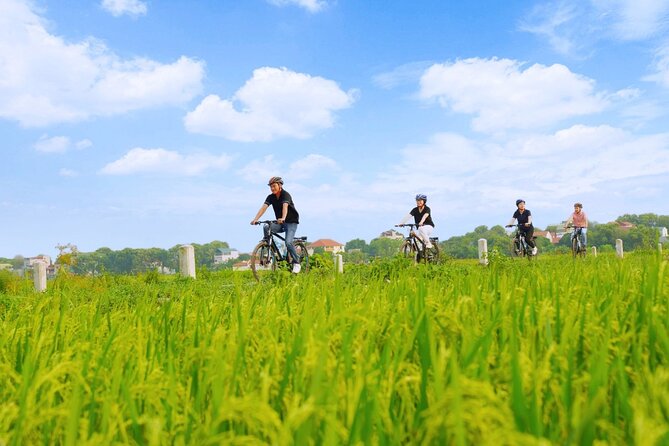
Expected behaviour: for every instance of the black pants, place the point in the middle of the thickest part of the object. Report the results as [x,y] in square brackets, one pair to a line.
[529,236]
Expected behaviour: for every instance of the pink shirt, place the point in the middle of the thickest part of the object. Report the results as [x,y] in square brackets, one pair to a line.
[580,219]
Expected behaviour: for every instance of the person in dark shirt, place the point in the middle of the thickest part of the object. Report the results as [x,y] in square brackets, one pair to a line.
[523,217]
[423,219]
[287,217]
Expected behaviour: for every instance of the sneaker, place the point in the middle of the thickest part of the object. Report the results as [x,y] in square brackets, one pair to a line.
[534,251]
[296,268]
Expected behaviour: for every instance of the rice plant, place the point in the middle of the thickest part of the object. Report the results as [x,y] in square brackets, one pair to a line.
[554,352]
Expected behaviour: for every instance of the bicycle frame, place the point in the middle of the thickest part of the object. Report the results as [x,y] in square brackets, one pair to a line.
[521,247]
[416,241]
[577,246]
[274,248]
[416,245]
[267,255]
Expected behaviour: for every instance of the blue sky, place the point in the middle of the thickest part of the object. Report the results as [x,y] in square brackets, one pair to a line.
[131,123]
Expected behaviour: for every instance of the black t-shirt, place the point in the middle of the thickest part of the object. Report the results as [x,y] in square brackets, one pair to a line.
[522,218]
[418,215]
[277,204]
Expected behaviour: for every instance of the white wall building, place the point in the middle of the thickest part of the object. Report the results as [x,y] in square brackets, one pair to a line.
[224,254]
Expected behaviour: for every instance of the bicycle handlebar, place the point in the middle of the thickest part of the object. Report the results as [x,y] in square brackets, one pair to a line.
[411,225]
[260,222]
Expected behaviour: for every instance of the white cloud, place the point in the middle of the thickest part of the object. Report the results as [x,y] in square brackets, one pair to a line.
[634,19]
[309,5]
[502,95]
[59,144]
[55,144]
[573,27]
[260,170]
[64,172]
[310,166]
[274,103]
[46,80]
[660,67]
[555,21]
[83,144]
[565,163]
[139,160]
[465,178]
[117,8]
[404,74]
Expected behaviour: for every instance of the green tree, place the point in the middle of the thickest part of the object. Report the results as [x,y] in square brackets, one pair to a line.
[357,243]
[17,262]
[384,247]
[466,246]
[356,251]
[355,256]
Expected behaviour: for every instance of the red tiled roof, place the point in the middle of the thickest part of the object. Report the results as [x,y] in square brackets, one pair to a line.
[325,243]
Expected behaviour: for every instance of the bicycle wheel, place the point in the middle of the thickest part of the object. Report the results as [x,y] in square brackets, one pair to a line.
[301,250]
[262,260]
[407,250]
[516,248]
[582,250]
[574,247]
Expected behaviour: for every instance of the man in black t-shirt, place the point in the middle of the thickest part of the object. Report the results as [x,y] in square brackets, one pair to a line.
[287,217]
[524,218]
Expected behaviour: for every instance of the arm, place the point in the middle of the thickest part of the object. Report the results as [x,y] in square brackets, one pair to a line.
[284,213]
[405,219]
[569,222]
[511,222]
[529,221]
[422,220]
[261,211]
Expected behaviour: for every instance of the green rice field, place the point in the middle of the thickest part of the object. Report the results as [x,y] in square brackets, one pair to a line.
[557,351]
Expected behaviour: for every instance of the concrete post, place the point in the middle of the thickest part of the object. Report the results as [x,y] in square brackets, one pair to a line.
[594,251]
[483,251]
[187,261]
[39,275]
[339,263]
[659,248]
[619,248]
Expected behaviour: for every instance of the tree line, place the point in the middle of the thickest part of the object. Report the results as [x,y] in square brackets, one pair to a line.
[644,235]
[132,260]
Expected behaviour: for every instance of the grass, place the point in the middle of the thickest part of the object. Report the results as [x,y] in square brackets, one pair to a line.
[552,352]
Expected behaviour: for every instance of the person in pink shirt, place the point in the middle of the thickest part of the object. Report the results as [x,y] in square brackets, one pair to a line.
[579,220]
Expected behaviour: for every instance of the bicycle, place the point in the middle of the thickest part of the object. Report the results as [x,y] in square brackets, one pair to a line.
[414,247]
[267,257]
[577,246]
[519,245]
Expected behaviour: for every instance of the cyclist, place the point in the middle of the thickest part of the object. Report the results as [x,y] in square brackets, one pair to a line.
[287,217]
[524,218]
[579,220]
[423,218]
